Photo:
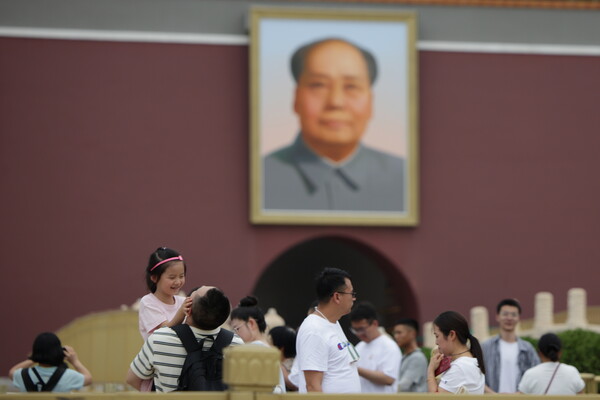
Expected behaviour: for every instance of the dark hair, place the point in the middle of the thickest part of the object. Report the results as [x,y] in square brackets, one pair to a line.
[550,345]
[410,323]
[248,308]
[453,321]
[160,254]
[363,310]
[211,310]
[299,58]
[508,302]
[328,281]
[47,349]
[284,338]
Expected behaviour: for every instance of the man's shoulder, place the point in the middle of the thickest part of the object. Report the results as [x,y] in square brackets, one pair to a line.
[284,155]
[388,343]
[382,157]
[524,344]
[164,335]
[490,342]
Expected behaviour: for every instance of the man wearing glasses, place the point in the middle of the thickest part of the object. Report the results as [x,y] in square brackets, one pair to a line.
[507,356]
[380,356]
[325,356]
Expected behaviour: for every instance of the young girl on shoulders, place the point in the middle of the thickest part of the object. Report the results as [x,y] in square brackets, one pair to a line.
[165,277]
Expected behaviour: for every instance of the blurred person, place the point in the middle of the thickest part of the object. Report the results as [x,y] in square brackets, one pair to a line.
[328,167]
[507,356]
[413,369]
[162,356]
[46,370]
[551,377]
[248,321]
[284,338]
[380,357]
[467,371]
[324,354]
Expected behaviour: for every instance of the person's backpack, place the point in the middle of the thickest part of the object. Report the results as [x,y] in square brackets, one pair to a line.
[40,386]
[202,369]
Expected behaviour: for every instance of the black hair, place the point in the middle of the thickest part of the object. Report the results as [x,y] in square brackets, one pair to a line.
[211,310]
[412,323]
[453,321]
[508,302]
[550,346]
[47,349]
[363,310]
[248,308]
[299,58]
[160,254]
[328,281]
[284,338]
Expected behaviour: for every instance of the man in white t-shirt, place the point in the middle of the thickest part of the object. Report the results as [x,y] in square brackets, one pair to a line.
[325,356]
[380,357]
[506,356]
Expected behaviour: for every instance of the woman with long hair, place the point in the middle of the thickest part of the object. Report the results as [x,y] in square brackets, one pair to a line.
[454,340]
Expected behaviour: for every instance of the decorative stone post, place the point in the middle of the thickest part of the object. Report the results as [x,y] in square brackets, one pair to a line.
[480,323]
[251,368]
[428,338]
[273,319]
[576,305]
[544,309]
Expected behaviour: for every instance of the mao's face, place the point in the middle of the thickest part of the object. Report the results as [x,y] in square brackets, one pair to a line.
[333,97]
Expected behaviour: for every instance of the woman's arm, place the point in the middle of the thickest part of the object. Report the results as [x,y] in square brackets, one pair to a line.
[72,358]
[434,362]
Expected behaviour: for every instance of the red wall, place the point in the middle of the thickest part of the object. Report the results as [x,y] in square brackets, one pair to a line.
[109,150]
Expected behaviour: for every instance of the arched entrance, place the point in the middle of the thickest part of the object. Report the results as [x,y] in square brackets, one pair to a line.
[287,284]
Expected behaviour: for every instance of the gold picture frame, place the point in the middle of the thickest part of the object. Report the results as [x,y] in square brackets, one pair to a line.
[312,161]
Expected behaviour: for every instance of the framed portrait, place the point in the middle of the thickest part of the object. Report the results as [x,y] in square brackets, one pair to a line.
[333,112]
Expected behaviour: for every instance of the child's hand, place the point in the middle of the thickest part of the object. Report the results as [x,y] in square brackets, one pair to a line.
[70,354]
[186,307]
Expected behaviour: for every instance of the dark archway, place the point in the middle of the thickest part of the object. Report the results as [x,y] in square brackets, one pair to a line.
[287,284]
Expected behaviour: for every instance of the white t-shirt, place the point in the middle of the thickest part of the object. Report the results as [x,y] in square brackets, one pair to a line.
[323,346]
[509,366]
[463,372]
[566,381]
[380,354]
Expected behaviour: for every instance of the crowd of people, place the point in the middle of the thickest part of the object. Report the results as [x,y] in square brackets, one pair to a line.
[318,357]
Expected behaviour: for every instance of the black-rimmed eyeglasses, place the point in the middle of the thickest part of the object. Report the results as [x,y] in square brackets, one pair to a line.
[353,293]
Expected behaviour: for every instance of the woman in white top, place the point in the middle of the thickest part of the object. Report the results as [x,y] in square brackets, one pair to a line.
[454,340]
[248,321]
[551,377]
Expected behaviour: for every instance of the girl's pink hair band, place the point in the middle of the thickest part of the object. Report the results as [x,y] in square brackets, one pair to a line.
[165,261]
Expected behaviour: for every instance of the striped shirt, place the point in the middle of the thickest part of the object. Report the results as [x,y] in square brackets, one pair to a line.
[162,356]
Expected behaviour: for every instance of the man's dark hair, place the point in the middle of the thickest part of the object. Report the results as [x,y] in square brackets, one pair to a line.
[211,310]
[508,302]
[363,310]
[299,57]
[410,323]
[329,281]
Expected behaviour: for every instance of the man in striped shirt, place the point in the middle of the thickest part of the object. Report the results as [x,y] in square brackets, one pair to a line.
[163,354]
